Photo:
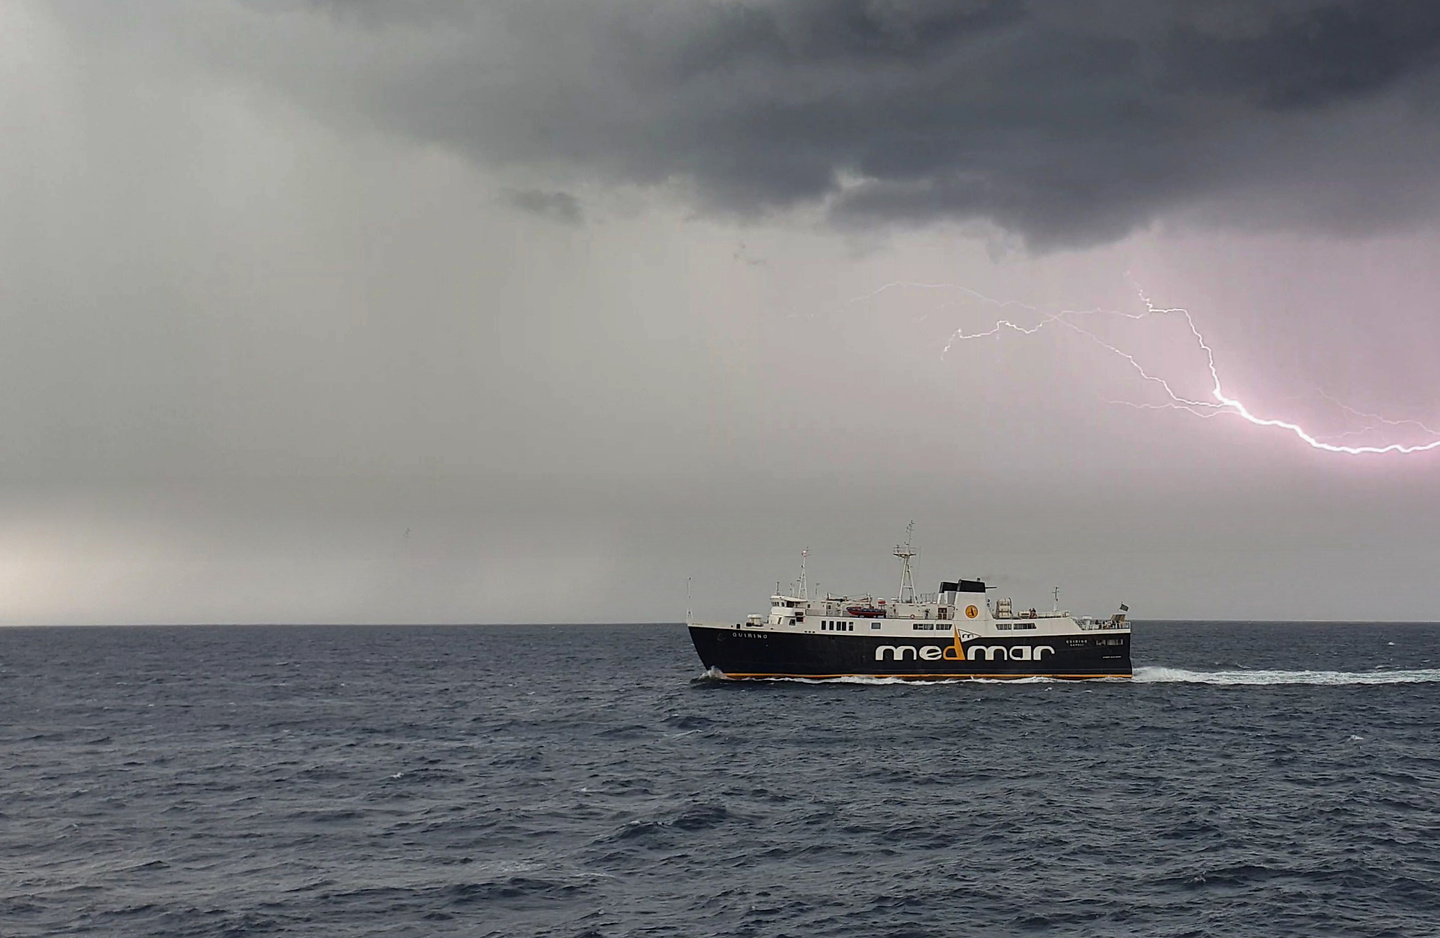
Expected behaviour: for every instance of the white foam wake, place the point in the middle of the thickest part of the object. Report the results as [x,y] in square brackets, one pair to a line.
[1157,675]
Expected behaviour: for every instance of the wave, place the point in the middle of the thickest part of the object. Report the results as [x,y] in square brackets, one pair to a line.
[1160,675]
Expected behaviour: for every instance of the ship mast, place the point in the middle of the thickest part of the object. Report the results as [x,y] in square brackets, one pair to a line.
[907,580]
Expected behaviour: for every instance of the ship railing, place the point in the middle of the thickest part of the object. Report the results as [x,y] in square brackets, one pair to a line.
[1105,626]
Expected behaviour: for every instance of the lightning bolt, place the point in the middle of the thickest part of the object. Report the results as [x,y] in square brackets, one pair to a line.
[1221,403]
[1375,417]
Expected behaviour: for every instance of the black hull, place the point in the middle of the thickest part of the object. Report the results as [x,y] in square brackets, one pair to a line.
[755,653]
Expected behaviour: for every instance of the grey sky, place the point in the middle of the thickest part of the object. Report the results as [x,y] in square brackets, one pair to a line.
[529,311]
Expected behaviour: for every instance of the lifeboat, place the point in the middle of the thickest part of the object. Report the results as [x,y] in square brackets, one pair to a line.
[866,612]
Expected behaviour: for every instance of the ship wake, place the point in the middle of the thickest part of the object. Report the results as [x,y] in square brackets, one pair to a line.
[1160,675]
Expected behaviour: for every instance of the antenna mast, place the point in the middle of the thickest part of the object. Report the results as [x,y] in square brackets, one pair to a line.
[907,580]
[804,587]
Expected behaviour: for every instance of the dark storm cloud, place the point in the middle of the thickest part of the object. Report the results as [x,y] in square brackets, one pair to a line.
[1067,122]
[556,206]
[1309,59]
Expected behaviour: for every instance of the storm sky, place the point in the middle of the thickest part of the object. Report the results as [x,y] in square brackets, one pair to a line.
[384,311]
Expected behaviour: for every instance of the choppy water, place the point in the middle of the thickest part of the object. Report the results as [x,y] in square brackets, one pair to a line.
[580,781]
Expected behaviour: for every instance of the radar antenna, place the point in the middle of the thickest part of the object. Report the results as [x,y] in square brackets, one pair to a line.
[907,580]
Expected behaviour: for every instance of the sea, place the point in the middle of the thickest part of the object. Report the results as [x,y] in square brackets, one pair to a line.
[588,780]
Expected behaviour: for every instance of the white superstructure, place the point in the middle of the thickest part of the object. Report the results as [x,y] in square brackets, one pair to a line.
[958,606]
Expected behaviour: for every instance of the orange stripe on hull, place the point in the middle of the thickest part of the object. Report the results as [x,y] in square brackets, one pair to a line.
[929,677]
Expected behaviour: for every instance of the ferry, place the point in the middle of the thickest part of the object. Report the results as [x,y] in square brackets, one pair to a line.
[958,632]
